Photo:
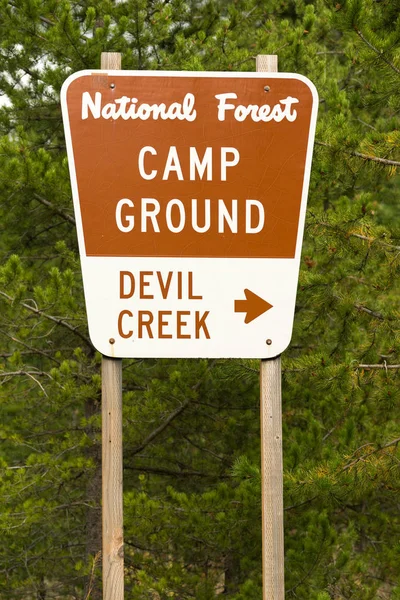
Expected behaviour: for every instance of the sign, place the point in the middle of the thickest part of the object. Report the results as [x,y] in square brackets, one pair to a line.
[190,194]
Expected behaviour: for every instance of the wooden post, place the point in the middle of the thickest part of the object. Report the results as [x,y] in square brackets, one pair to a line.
[112,510]
[111,61]
[271,453]
[112,477]
[272,479]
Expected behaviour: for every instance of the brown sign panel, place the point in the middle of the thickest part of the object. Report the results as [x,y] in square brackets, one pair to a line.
[187,166]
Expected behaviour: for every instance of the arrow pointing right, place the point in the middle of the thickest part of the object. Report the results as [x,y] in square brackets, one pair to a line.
[253,306]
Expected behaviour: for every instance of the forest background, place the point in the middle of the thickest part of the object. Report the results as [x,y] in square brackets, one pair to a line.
[191,427]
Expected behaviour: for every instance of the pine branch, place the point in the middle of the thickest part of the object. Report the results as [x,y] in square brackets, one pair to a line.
[46,21]
[92,576]
[58,211]
[30,349]
[141,547]
[171,417]
[330,52]
[156,432]
[368,239]
[377,52]
[371,453]
[172,473]
[21,372]
[201,448]
[56,320]
[371,240]
[309,572]
[370,312]
[379,366]
[293,506]
[337,424]
[383,161]
[30,374]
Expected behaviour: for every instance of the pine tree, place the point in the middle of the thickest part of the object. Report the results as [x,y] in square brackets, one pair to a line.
[191,428]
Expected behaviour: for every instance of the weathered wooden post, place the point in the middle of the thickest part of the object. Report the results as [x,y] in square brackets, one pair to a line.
[112,471]
[271,452]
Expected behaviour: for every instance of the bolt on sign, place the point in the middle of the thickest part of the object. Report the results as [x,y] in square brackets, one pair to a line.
[190,194]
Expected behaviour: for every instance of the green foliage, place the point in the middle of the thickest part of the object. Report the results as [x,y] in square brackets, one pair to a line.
[191,428]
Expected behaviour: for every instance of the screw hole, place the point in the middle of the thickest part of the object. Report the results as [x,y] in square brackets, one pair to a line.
[269,342]
[112,85]
[267,88]
[112,341]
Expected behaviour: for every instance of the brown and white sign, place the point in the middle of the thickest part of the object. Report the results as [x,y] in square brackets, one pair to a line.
[190,192]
